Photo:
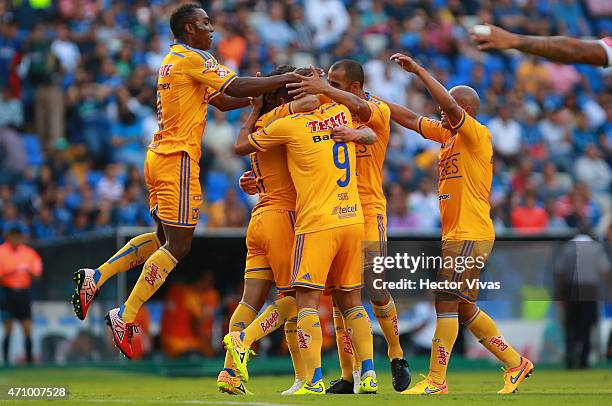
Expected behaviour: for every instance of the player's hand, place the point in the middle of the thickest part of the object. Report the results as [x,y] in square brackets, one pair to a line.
[344,134]
[312,84]
[498,38]
[247,183]
[406,62]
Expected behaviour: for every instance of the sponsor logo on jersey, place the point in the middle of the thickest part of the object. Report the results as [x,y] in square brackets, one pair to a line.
[164,70]
[221,72]
[337,120]
[211,63]
[345,211]
[445,196]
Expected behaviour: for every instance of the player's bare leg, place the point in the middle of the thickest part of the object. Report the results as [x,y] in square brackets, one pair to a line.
[358,324]
[7,324]
[516,367]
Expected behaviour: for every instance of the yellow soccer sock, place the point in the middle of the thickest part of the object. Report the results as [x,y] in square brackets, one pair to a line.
[485,330]
[345,348]
[358,324]
[294,349]
[153,275]
[243,315]
[310,340]
[447,328]
[273,317]
[134,253]
[387,318]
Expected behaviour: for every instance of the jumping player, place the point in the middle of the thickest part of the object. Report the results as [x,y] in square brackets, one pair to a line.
[464,185]
[189,78]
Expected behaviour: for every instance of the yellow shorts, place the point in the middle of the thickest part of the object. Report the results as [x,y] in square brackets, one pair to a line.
[269,242]
[463,261]
[175,194]
[329,258]
[375,235]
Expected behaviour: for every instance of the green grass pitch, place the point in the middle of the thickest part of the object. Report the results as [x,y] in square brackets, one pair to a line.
[95,386]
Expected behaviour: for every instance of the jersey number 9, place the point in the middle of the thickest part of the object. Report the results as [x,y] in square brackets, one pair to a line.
[345,164]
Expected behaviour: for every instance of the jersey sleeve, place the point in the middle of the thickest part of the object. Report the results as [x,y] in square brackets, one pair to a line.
[279,112]
[472,132]
[606,43]
[270,136]
[432,129]
[381,115]
[205,69]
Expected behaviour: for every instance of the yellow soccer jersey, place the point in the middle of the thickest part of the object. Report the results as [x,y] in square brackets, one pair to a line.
[322,171]
[183,91]
[465,173]
[276,190]
[370,159]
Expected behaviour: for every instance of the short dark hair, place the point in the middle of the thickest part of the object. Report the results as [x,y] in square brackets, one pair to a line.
[353,70]
[181,16]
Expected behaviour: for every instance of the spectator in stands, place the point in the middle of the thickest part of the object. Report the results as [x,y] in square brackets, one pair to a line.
[593,171]
[210,299]
[329,19]
[19,265]
[110,187]
[274,30]
[528,217]
[11,109]
[14,160]
[507,134]
[424,205]
[180,320]
[399,215]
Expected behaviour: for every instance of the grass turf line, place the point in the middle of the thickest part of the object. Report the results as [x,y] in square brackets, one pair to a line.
[545,387]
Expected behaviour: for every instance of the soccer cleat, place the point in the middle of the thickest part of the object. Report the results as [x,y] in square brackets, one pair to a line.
[122,332]
[341,387]
[400,373]
[232,385]
[240,353]
[514,376]
[295,387]
[427,387]
[317,388]
[368,384]
[86,291]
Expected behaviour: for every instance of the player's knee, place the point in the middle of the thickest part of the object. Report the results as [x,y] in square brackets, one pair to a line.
[179,249]
[348,299]
[466,312]
[447,303]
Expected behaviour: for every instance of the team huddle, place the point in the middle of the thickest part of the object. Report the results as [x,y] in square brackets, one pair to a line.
[317,150]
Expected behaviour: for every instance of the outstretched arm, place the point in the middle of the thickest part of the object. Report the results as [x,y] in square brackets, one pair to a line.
[314,85]
[250,87]
[225,103]
[558,49]
[242,146]
[403,116]
[439,93]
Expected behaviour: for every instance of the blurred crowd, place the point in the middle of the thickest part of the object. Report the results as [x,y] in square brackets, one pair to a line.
[78,98]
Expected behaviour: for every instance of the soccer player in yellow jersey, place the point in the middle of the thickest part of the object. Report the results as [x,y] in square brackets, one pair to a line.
[269,242]
[345,86]
[189,78]
[328,229]
[464,184]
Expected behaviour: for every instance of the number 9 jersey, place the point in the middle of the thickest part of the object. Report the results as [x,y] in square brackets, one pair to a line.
[322,170]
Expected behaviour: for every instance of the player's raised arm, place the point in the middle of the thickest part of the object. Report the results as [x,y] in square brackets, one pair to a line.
[313,85]
[242,146]
[558,49]
[403,116]
[447,103]
[255,86]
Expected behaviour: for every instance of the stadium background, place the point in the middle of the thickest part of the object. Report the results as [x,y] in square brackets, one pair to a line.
[77,111]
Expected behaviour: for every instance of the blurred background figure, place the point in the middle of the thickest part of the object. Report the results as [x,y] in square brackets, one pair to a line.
[19,265]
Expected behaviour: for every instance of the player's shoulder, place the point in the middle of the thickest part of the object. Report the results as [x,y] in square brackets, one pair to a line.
[194,56]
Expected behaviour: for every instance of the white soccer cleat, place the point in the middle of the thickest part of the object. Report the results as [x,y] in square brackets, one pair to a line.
[296,386]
